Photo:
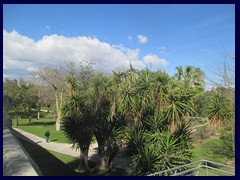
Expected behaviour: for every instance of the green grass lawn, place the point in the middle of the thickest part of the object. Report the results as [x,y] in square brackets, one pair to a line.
[52,163]
[213,149]
[39,126]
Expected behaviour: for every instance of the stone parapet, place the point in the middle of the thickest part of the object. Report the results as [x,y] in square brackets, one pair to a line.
[16,162]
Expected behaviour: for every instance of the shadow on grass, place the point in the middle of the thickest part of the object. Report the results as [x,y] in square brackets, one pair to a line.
[96,172]
[49,165]
[39,123]
[54,140]
[215,150]
[222,149]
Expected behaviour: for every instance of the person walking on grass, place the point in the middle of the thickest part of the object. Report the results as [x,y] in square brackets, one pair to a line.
[47,134]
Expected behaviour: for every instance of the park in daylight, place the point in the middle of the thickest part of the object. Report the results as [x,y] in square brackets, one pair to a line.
[118,89]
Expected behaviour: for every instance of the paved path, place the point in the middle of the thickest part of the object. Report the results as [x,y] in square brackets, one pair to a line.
[63,148]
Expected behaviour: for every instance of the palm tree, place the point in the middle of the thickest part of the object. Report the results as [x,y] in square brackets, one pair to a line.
[182,88]
[159,87]
[159,150]
[127,96]
[221,113]
[78,121]
[191,78]
[179,74]
[134,95]
[218,111]
[179,106]
[107,124]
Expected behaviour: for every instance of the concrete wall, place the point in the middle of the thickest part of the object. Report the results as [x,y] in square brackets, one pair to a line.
[16,162]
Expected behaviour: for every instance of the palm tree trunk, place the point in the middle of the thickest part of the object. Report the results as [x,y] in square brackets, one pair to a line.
[103,159]
[83,161]
[106,153]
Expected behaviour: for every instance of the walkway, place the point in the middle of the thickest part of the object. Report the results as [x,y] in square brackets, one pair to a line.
[118,161]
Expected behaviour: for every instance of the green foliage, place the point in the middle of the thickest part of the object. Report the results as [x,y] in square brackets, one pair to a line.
[218,110]
[135,139]
[23,94]
[76,130]
[153,148]
[225,134]
[155,122]
[159,151]
[149,109]
[146,161]
[202,101]
[178,109]
[213,149]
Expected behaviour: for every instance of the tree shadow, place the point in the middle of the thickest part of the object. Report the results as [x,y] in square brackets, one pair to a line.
[39,123]
[96,172]
[49,165]
[222,149]
[53,140]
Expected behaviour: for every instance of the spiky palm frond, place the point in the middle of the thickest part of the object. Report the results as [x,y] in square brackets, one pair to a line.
[146,161]
[135,138]
[155,122]
[161,151]
[218,111]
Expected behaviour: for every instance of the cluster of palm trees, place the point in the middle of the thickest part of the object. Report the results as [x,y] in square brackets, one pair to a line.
[145,110]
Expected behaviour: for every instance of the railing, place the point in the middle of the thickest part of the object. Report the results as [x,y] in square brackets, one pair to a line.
[198,168]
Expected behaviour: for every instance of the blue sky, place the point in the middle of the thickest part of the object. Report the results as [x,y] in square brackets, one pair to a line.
[157,36]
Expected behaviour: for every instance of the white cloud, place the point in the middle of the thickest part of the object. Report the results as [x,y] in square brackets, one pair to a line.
[142,39]
[22,54]
[154,61]
[133,54]
[31,68]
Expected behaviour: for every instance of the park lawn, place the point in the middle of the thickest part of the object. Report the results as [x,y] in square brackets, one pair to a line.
[52,163]
[48,164]
[39,126]
[72,162]
[213,149]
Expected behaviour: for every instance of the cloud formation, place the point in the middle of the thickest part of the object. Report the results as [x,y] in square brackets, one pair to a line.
[154,61]
[142,39]
[22,54]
